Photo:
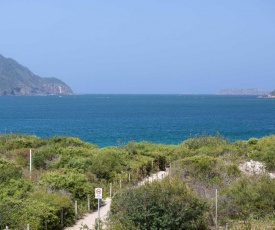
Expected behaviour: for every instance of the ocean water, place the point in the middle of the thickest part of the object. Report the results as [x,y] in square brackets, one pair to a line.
[117,119]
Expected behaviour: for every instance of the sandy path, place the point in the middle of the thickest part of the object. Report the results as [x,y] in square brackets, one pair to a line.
[156,176]
[90,218]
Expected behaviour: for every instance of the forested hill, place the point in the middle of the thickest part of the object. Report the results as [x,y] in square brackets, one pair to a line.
[16,79]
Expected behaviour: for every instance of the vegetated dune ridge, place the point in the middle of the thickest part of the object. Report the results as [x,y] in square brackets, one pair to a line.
[65,169]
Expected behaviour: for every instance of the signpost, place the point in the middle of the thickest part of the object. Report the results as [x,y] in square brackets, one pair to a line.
[216,202]
[98,196]
[30,164]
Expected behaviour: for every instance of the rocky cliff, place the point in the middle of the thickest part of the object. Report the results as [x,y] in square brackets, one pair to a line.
[16,79]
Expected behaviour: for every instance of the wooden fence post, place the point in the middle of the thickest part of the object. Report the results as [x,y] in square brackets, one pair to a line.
[89,203]
[75,207]
[61,218]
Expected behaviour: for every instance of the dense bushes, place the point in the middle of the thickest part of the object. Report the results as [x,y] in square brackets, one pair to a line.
[63,142]
[14,189]
[17,141]
[206,170]
[73,183]
[39,210]
[263,150]
[198,142]
[66,168]
[160,205]
[249,198]
[8,171]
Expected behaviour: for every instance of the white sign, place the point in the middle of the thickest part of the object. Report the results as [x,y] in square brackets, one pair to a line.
[98,193]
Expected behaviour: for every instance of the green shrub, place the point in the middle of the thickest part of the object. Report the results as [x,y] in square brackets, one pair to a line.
[17,141]
[8,171]
[15,189]
[64,141]
[199,167]
[249,198]
[59,203]
[196,142]
[252,141]
[74,157]
[10,213]
[108,161]
[264,150]
[36,214]
[168,204]
[72,182]
[39,210]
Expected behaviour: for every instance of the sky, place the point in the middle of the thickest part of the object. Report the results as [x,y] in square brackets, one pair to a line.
[143,46]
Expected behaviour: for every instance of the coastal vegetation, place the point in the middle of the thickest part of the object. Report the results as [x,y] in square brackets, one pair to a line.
[66,169]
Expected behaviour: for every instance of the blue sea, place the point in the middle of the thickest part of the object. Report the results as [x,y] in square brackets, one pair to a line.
[118,119]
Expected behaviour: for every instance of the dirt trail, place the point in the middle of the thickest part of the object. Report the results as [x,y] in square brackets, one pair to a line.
[90,218]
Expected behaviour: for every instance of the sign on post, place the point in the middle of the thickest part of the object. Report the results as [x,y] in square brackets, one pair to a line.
[98,196]
[98,193]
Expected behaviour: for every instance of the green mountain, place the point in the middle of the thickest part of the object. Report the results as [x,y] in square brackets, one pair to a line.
[16,79]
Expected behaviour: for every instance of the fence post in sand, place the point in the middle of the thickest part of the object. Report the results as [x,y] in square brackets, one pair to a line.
[75,207]
[216,204]
[62,218]
[30,164]
[98,210]
[89,203]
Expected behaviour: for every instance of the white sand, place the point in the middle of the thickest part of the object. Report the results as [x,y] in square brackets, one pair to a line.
[255,168]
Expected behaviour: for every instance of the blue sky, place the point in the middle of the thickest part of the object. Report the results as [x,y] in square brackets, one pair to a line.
[144,46]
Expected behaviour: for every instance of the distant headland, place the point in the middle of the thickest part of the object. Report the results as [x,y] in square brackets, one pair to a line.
[255,92]
[272,94]
[18,80]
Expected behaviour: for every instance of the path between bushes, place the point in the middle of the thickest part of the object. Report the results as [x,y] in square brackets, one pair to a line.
[90,218]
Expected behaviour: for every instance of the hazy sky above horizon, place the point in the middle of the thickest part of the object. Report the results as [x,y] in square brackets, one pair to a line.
[143,46]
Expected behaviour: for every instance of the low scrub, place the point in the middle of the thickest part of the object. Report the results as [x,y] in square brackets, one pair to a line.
[169,204]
